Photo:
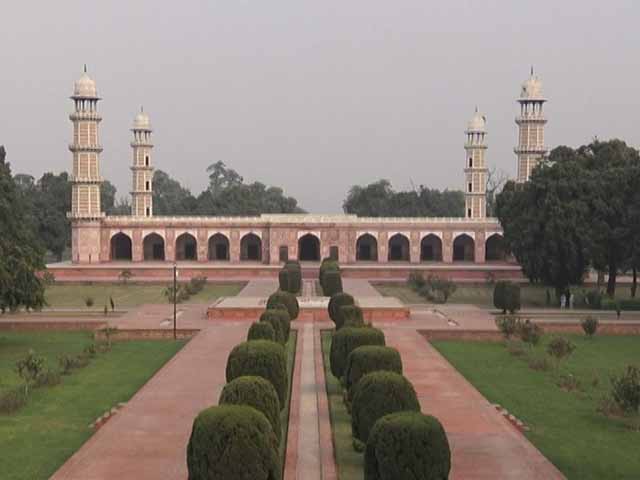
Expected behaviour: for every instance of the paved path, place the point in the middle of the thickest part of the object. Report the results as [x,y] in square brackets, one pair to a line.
[259,288]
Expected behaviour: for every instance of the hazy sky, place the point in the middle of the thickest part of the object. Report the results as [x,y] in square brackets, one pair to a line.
[313,96]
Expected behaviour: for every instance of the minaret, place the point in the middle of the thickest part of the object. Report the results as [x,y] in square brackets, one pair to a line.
[142,184]
[85,177]
[530,150]
[475,168]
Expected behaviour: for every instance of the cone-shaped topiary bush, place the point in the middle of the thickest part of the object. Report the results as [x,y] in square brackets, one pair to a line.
[232,442]
[332,283]
[407,445]
[295,275]
[261,358]
[327,265]
[272,317]
[258,393]
[367,359]
[377,394]
[284,280]
[352,316]
[335,303]
[287,299]
[261,331]
[347,339]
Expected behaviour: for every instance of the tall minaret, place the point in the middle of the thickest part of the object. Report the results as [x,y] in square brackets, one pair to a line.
[475,168]
[530,150]
[142,185]
[85,177]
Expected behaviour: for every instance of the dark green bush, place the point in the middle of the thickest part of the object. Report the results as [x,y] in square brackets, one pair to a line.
[352,316]
[378,394]
[13,399]
[590,325]
[625,390]
[261,331]
[261,358]
[594,299]
[272,317]
[195,285]
[512,297]
[257,393]
[346,340]
[624,305]
[332,283]
[283,315]
[284,280]
[407,445]
[367,359]
[326,266]
[232,442]
[287,299]
[295,276]
[47,378]
[508,325]
[335,303]
[416,281]
[529,332]
[499,295]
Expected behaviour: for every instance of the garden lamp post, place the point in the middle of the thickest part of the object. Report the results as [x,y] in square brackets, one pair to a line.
[175,297]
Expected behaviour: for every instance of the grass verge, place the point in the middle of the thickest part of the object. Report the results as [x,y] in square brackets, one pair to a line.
[290,349]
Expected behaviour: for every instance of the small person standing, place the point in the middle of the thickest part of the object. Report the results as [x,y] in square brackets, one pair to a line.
[563,300]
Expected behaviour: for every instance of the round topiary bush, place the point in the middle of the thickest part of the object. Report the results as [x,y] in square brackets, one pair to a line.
[407,442]
[287,299]
[255,392]
[347,339]
[335,303]
[282,314]
[272,317]
[352,316]
[261,331]
[367,359]
[378,394]
[261,358]
[284,280]
[232,442]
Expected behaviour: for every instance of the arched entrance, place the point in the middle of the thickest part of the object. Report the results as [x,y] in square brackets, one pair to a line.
[398,248]
[431,249]
[186,247]
[464,249]
[251,248]
[153,247]
[120,247]
[494,250]
[367,248]
[219,248]
[309,248]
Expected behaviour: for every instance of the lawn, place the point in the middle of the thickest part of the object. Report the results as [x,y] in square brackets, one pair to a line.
[37,439]
[565,426]
[129,295]
[290,349]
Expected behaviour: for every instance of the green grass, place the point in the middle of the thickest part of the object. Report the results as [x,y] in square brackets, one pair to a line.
[129,295]
[565,426]
[290,349]
[41,436]
[349,463]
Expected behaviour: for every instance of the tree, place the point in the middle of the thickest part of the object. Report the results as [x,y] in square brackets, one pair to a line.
[496,180]
[221,177]
[171,198]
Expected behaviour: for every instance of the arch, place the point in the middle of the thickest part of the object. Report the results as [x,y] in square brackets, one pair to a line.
[219,248]
[495,250]
[309,248]
[464,248]
[431,248]
[121,247]
[153,247]
[186,247]
[398,248]
[251,248]
[366,248]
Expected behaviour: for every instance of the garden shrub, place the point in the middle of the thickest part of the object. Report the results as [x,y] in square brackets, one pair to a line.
[13,399]
[508,325]
[416,281]
[326,266]
[284,280]
[529,332]
[29,367]
[332,283]
[367,359]
[560,348]
[590,325]
[287,299]
[437,289]
[352,316]
[346,340]
[625,390]
[284,318]
[512,297]
[195,285]
[626,304]
[499,295]
[335,303]
[272,317]
[261,358]
[407,442]
[47,378]
[261,331]
[255,392]
[378,394]
[232,442]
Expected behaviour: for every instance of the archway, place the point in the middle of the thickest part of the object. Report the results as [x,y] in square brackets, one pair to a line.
[398,248]
[219,248]
[251,248]
[309,248]
[120,247]
[153,247]
[367,248]
[464,248]
[431,249]
[186,247]
[495,249]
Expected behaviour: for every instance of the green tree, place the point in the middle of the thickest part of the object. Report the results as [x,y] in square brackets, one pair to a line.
[171,198]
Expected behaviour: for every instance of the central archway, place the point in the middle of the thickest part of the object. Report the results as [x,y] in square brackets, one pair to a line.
[309,248]
[153,247]
[186,247]
[398,248]
[464,249]
[219,248]
[367,248]
[121,247]
[495,249]
[251,248]
[431,249]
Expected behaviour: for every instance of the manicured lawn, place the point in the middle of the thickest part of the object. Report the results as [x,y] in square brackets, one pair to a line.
[290,349]
[350,464]
[129,295]
[565,426]
[37,439]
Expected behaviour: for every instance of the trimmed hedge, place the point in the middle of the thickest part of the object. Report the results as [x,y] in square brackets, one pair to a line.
[295,275]
[287,299]
[405,442]
[352,316]
[367,359]
[326,266]
[284,280]
[232,442]
[335,303]
[624,305]
[332,283]
[261,331]
[272,317]
[506,296]
[261,358]
[378,394]
[346,340]
[255,392]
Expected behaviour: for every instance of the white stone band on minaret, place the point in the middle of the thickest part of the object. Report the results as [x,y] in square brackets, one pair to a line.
[475,168]
[142,169]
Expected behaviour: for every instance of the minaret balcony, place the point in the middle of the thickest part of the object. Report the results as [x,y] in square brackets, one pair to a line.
[85,216]
[76,147]
[141,192]
[85,115]
[535,149]
[78,179]
[140,168]
[470,146]
[135,144]
[537,118]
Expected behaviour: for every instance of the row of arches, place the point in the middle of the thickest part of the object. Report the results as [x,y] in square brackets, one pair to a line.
[186,247]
